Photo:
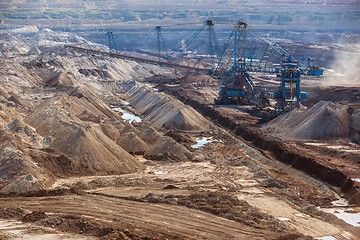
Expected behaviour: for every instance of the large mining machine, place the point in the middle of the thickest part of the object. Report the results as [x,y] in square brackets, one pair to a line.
[111,42]
[236,84]
[247,51]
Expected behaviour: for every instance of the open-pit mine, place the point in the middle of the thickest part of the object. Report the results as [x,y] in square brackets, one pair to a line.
[245,141]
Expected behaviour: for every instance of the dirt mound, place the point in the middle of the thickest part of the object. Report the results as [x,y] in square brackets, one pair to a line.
[89,116]
[34,216]
[180,137]
[224,205]
[150,135]
[90,150]
[110,131]
[25,132]
[11,213]
[80,225]
[324,121]
[132,143]
[44,131]
[24,183]
[355,126]
[167,148]
[128,128]
[164,112]
[58,79]
[18,170]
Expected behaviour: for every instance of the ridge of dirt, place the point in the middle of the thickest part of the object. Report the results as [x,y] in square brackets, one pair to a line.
[163,112]
[323,121]
[167,148]
[132,143]
[224,205]
[278,149]
[89,149]
[163,221]
[150,135]
[55,120]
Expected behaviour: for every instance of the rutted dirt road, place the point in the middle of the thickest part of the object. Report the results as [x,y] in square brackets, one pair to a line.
[155,219]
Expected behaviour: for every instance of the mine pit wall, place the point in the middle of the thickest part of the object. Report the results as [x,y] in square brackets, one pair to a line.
[279,150]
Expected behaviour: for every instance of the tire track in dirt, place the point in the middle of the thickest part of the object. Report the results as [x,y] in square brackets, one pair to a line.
[164,219]
[279,150]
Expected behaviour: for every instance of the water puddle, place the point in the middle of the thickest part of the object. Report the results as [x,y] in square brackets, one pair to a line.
[349,215]
[340,203]
[124,102]
[127,116]
[200,142]
[159,172]
[326,238]
[342,211]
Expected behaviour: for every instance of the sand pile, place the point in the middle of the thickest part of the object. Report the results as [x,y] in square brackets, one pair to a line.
[324,121]
[110,130]
[128,128]
[53,122]
[167,148]
[25,132]
[84,143]
[57,79]
[23,183]
[164,112]
[132,143]
[150,135]
[89,116]
[355,126]
[19,171]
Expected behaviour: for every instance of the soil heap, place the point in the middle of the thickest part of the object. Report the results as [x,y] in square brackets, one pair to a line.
[54,119]
[150,135]
[132,143]
[90,150]
[167,148]
[164,112]
[355,126]
[323,121]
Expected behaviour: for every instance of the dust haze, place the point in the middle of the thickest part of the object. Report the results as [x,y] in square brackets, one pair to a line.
[345,68]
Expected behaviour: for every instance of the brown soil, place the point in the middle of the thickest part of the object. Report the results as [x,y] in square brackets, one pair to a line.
[150,135]
[161,222]
[180,137]
[224,205]
[11,213]
[163,112]
[89,149]
[168,149]
[314,164]
[34,216]
[132,143]
[58,131]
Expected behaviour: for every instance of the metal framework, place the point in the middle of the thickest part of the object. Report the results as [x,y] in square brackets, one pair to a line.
[236,84]
[111,42]
[160,43]
[290,83]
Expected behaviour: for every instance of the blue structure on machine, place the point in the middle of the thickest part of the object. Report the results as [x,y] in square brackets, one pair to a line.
[290,83]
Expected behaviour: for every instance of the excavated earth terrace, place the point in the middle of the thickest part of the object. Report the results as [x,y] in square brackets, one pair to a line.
[93,147]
